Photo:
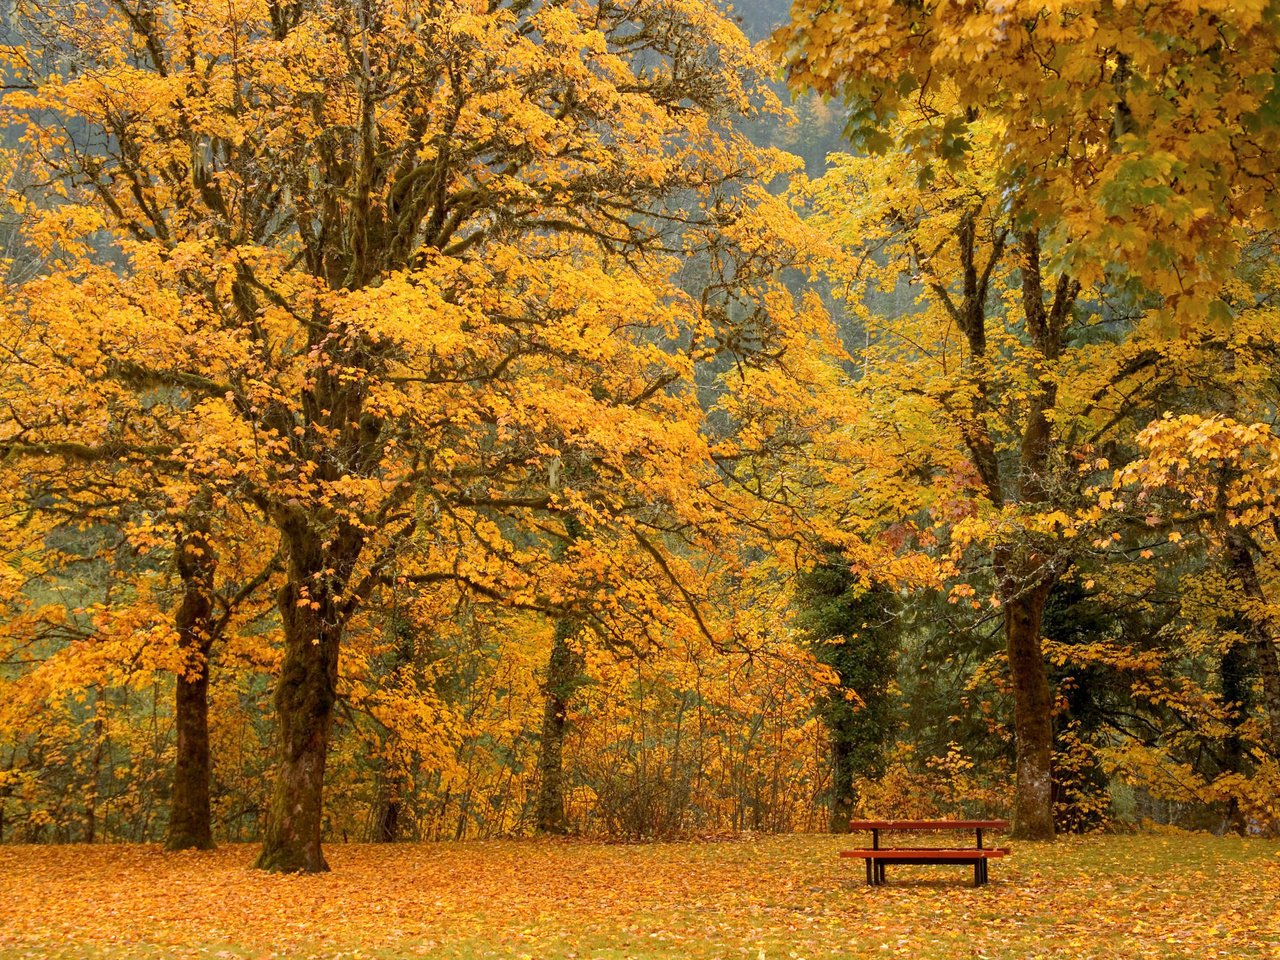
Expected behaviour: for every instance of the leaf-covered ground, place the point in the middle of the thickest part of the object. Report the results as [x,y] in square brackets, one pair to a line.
[777,897]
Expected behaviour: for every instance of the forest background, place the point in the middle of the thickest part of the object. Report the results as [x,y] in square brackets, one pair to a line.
[744,480]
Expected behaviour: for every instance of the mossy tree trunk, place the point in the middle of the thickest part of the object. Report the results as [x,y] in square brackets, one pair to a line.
[1260,628]
[190,816]
[564,674]
[313,615]
[1033,714]
[564,669]
[304,699]
[1234,673]
[386,826]
[844,795]
[1027,571]
[394,784]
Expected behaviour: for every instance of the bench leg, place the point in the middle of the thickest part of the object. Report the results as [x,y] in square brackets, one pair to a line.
[979,873]
[880,872]
[870,879]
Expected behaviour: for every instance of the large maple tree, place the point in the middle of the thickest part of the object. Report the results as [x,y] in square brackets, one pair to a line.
[378,270]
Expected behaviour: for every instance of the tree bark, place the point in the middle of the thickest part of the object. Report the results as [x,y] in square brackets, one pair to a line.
[1033,715]
[190,816]
[563,670]
[1261,629]
[843,796]
[386,826]
[1024,579]
[1268,666]
[1025,574]
[1233,670]
[91,800]
[304,700]
[393,783]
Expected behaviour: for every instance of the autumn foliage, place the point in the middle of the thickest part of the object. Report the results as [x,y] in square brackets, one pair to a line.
[1166,896]
[461,420]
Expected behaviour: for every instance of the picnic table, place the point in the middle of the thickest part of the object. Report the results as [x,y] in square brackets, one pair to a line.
[877,857]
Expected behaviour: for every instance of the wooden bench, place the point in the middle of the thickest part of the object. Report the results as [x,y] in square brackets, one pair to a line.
[877,857]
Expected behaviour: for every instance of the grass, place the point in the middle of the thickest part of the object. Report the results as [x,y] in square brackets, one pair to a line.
[1153,896]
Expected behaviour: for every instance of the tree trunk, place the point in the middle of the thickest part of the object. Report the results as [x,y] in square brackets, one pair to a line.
[190,814]
[1033,714]
[1233,670]
[1268,666]
[304,699]
[1261,629]
[386,827]
[393,784]
[563,670]
[190,817]
[91,800]
[1026,580]
[843,796]
[388,807]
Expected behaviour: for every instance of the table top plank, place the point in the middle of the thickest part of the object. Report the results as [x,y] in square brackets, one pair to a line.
[929,825]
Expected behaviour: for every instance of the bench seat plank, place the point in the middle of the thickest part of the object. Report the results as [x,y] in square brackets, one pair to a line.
[885,853]
[877,859]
